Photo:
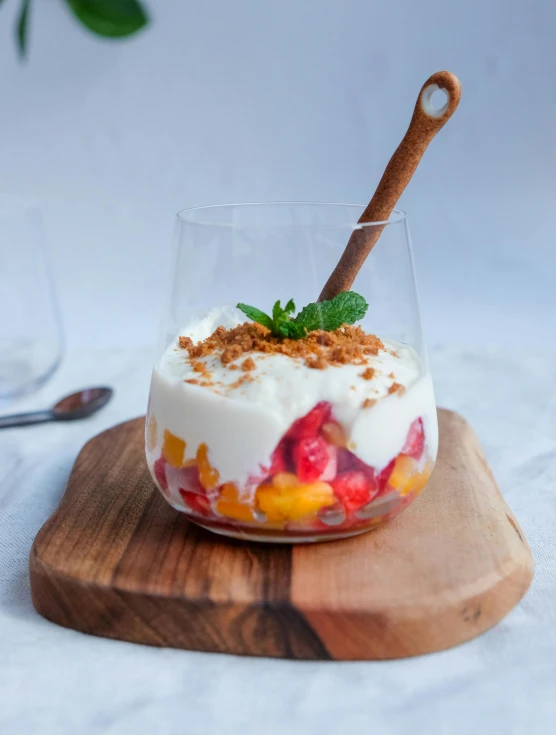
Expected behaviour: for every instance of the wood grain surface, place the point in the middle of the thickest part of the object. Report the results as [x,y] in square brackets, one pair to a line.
[116,560]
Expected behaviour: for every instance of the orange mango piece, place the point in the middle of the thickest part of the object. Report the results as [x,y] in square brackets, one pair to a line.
[286,499]
[208,475]
[285,480]
[402,477]
[173,449]
[422,479]
[229,504]
[405,478]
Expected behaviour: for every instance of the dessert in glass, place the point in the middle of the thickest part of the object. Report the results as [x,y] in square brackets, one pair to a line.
[275,418]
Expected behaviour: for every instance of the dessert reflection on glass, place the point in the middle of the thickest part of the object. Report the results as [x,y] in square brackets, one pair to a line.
[290,428]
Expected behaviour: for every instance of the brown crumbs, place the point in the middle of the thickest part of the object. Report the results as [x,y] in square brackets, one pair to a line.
[240,381]
[368,374]
[319,349]
[231,353]
[369,402]
[392,376]
[199,367]
[248,364]
[186,343]
[193,381]
[396,388]
[317,362]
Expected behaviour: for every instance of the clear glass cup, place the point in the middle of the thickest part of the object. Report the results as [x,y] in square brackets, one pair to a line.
[289,465]
[31,339]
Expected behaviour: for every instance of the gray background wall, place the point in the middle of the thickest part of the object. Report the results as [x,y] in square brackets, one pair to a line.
[297,99]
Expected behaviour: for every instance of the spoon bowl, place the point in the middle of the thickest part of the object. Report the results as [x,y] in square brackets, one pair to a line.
[78,405]
[81,404]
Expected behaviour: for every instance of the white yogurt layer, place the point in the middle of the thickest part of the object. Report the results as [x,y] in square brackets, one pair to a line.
[242,424]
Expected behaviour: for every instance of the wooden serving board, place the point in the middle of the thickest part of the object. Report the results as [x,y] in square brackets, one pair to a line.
[116,560]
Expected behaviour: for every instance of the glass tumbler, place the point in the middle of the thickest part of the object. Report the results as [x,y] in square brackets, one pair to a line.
[269,447]
[31,341]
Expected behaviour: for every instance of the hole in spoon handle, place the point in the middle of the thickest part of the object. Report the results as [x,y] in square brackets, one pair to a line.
[450,85]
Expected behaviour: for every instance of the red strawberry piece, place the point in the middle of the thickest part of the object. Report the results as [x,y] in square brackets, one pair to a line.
[279,459]
[197,503]
[331,469]
[311,424]
[384,475]
[189,479]
[348,461]
[160,473]
[311,458]
[354,489]
[372,480]
[415,442]
[344,460]
[279,462]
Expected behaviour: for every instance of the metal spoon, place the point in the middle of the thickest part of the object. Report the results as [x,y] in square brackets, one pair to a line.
[76,406]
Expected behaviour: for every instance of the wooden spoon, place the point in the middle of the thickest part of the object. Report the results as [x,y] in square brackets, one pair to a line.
[424,125]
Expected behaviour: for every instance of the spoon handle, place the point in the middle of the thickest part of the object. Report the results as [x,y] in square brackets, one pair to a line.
[24,419]
[424,125]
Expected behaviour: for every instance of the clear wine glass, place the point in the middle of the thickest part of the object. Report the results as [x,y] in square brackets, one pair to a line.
[248,460]
[31,338]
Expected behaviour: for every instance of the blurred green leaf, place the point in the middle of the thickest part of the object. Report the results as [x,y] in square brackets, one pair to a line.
[21,28]
[110,18]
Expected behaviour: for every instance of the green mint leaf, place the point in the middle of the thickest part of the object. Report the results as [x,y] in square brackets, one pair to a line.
[280,324]
[21,28]
[277,312]
[110,18]
[291,330]
[345,308]
[257,315]
[283,325]
[281,318]
[297,332]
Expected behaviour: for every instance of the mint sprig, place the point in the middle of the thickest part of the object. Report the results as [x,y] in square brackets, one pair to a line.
[280,323]
[345,308]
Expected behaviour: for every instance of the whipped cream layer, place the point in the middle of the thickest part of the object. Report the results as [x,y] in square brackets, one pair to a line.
[241,422]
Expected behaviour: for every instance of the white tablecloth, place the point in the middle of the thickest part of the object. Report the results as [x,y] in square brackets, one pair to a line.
[54,680]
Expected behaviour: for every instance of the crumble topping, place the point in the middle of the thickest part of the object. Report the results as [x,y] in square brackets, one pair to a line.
[248,364]
[319,349]
[396,388]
